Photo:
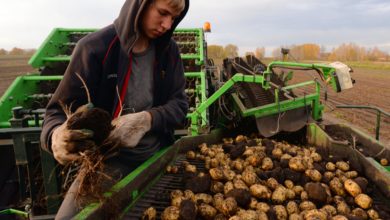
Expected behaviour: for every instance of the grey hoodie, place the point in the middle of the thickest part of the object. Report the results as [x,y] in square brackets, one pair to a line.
[102,59]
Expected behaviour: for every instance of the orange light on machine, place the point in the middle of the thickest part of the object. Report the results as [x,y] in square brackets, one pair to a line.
[207,27]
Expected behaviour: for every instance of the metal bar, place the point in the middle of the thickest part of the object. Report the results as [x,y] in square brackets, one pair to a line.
[190,56]
[14,211]
[17,95]
[50,181]
[299,85]
[7,124]
[51,45]
[378,125]
[239,77]
[378,110]
[193,74]
[201,47]
[293,64]
[200,90]
[42,78]
[57,59]
[327,71]
[273,108]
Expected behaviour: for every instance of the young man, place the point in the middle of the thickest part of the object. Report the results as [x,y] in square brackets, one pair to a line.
[136,55]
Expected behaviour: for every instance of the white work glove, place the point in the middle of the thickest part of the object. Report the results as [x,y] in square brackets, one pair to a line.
[130,128]
[66,144]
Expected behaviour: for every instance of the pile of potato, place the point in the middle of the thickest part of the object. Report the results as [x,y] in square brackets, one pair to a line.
[265,179]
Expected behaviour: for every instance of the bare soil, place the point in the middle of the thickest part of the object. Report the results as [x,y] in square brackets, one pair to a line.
[12,67]
[372,88]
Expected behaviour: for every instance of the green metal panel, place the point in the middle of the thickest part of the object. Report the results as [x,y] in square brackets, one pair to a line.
[55,46]
[200,92]
[19,94]
[194,116]
[312,100]
[14,212]
[327,71]
[199,56]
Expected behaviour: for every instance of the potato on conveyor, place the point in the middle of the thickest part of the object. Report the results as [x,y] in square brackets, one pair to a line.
[363,200]
[352,187]
[171,213]
[260,191]
[207,211]
[187,210]
[149,214]
[266,182]
[242,197]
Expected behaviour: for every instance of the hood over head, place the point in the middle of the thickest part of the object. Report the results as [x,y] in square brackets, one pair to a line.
[127,24]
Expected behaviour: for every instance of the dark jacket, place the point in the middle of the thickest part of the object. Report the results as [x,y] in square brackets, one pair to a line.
[103,58]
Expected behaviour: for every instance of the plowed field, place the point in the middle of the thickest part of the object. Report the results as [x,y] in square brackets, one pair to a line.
[372,88]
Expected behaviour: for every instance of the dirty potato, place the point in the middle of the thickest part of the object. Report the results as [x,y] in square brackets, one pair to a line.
[314,175]
[279,195]
[292,207]
[281,212]
[171,213]
[363,201]
[149,214]
[207,211]
[260,191]
[352,187]
[344,166]
[296,164]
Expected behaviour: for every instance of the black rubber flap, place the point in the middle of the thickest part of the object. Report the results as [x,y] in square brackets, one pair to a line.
[288,121]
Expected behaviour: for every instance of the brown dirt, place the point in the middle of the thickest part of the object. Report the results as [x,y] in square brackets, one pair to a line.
[12,67]
[371,88]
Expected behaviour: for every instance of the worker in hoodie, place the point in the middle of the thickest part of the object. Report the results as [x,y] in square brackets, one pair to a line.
[135,57]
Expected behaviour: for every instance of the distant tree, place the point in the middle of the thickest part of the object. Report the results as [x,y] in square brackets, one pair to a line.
[323,49]
[249,53]
[215,52]
[30,51]
[276,53]
[16,51]
[260,52]
[3,52]
[306,51]
[376,54]
[349,52]
[231,51]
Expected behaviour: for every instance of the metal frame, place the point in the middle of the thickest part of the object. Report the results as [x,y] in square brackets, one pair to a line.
[19,94]
[261,111]
[200,55]
[379,112]
[54,46]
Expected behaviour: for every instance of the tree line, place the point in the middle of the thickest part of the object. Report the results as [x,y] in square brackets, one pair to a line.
[344,52]
[17,51]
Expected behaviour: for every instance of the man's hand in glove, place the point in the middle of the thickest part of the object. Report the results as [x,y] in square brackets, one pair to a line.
[130,128]
[67,143]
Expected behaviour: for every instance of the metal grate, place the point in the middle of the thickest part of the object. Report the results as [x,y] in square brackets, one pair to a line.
[158,195]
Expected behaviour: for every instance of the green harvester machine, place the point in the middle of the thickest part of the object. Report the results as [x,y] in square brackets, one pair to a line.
[245,96]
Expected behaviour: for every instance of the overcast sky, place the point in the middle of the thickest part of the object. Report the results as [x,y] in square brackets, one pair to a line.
[245,23]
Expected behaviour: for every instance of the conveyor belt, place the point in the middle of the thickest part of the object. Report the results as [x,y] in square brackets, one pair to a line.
[254,95]
[158,195]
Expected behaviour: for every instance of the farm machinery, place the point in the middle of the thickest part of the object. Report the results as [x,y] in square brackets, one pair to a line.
[246,96]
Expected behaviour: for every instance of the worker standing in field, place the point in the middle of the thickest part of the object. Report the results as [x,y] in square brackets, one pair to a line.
[136,55]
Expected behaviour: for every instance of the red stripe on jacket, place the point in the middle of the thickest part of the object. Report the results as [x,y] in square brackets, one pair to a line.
[109,48]
[124,87]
